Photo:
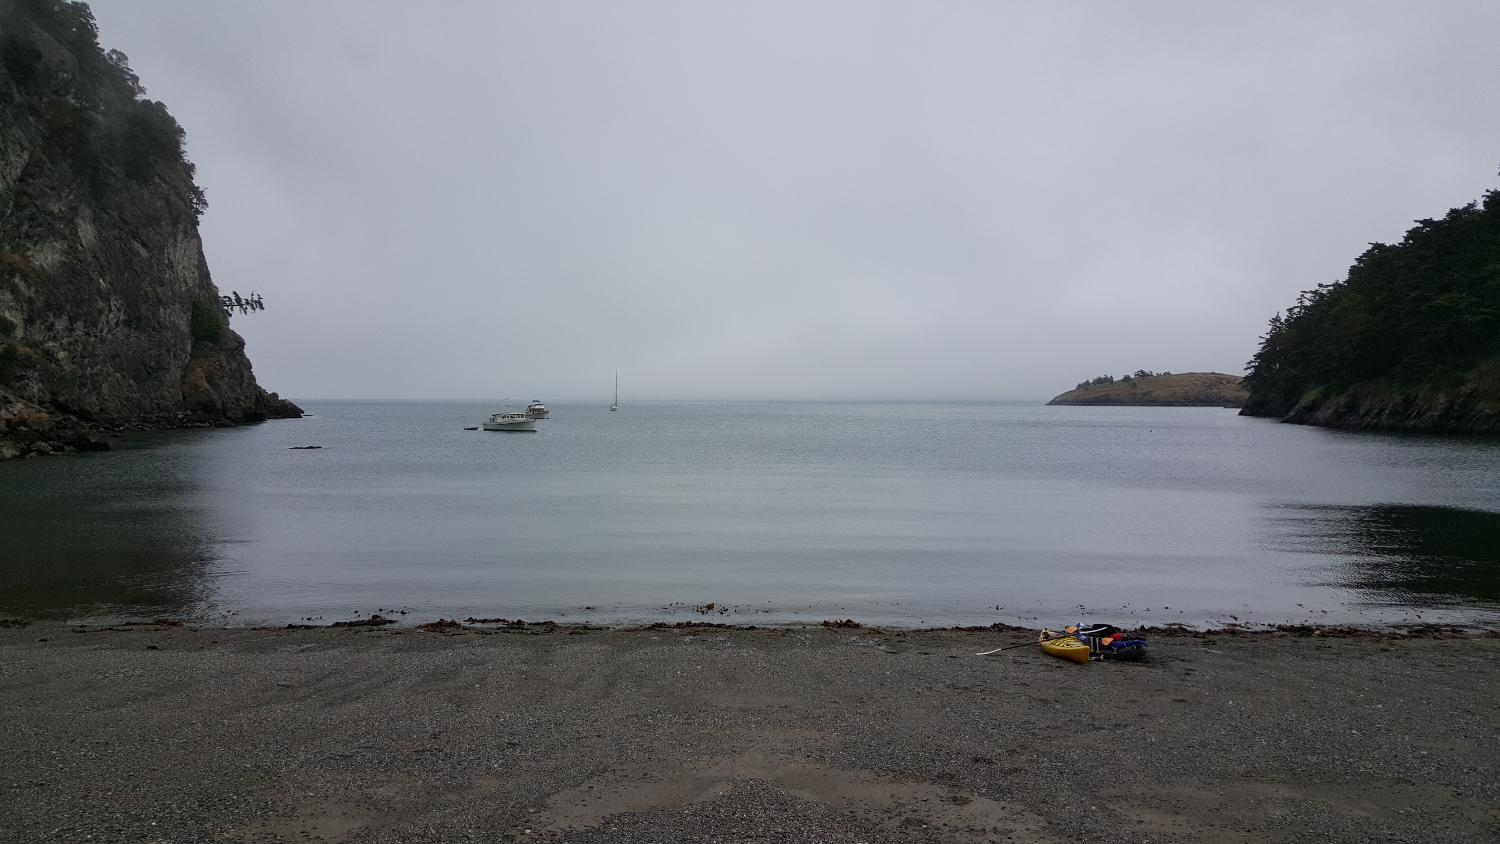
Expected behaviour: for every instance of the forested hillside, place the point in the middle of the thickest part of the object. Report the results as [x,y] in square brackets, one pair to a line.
[1410,340]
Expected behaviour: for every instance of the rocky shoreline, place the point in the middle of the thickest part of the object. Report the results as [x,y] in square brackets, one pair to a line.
[494,732]
[1470,408]
[28,431]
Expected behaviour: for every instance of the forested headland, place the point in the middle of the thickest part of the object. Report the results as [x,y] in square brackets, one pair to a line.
[1409,340]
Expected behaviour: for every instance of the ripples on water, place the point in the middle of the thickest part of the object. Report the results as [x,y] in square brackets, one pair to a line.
[889,513]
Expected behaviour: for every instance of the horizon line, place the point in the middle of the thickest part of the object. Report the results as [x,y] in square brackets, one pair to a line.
[606,400]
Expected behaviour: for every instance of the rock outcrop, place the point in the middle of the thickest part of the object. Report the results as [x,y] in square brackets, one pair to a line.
[30,431]
[1187,389]
[1467,406]
[108,314]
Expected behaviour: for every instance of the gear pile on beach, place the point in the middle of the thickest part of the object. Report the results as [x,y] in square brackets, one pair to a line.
[1086,643]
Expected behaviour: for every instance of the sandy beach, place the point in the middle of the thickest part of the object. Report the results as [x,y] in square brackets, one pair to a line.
[161,733]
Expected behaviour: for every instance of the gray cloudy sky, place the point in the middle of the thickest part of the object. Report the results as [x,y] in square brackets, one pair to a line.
[800,200]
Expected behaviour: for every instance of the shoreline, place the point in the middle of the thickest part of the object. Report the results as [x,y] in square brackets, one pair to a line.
[30,430]
[486,626]
[497,625]
[156,732]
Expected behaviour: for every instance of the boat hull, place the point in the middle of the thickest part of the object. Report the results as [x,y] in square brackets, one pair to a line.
[511,425]
[1066,647]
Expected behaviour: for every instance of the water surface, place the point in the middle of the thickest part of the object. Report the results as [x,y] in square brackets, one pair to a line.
[964,513]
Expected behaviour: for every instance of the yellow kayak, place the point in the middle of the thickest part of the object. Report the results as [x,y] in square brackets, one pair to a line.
[1064,645]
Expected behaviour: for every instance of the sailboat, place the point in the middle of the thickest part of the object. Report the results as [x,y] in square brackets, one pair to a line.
[616,405]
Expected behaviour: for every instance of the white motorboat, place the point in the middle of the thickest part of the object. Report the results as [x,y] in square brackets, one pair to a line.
[517,421]
[510,422]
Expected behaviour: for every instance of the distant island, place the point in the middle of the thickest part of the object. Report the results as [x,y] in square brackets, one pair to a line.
[1159,389]
[1408,341]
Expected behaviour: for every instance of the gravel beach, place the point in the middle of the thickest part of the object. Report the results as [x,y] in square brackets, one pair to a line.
[165,733]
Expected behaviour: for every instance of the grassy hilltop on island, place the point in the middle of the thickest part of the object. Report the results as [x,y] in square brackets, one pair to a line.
[1187,389]
[1409,340]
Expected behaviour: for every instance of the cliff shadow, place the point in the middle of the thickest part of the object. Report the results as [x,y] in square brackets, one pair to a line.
[1399,554]
[78,545]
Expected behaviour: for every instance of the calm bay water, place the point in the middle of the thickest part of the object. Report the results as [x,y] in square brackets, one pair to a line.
[964,513]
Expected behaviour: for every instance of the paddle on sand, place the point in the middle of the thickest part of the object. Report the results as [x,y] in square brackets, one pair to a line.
[1024,644]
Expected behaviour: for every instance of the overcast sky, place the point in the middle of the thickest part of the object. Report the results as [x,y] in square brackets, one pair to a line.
[800,200]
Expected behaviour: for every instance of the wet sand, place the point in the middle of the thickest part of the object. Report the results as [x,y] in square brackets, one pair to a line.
[156,733]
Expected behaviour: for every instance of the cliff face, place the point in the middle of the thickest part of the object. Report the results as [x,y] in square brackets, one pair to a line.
[107,309]
[1187,389]
[1470,405]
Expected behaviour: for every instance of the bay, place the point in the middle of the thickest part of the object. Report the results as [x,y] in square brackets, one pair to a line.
[887,513]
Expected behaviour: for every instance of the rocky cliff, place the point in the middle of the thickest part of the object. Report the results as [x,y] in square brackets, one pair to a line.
[108,313]
[1467,405]
[1186,389]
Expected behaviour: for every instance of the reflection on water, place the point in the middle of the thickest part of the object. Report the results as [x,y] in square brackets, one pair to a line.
[1404,554]
[90,537]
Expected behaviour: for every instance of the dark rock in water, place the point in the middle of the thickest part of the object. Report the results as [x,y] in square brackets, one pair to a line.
[83,442]
[108,314]
[280,408]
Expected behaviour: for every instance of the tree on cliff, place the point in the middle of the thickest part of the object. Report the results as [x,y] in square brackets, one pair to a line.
[1417,314]
[234,303]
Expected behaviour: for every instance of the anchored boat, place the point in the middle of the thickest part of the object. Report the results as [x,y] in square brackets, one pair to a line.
[510,422]
[520,421]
